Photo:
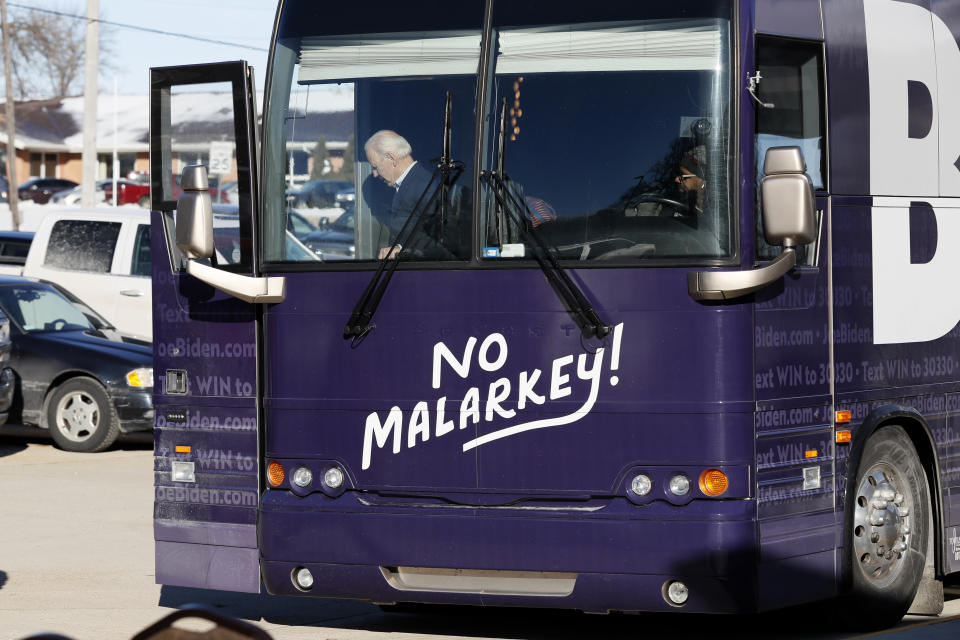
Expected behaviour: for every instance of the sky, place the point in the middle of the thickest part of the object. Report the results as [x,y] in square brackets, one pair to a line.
[247,23]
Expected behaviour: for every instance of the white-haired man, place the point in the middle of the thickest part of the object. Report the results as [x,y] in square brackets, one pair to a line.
[391,159]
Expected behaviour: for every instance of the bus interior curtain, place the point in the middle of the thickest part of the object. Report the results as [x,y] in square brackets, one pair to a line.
[382,55]
[634,46]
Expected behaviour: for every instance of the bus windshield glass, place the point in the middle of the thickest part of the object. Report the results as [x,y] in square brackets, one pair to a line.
[610,139]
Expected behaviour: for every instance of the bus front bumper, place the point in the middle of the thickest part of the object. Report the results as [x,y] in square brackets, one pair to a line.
[620,560]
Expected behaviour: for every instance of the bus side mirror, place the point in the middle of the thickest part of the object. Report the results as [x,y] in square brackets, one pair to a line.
[195,213]
[789,220]
[786,197]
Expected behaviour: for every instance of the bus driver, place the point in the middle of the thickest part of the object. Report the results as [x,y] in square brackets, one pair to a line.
[691,178]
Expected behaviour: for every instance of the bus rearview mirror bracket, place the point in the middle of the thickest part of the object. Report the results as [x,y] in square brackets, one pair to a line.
[195,240]
[789,220]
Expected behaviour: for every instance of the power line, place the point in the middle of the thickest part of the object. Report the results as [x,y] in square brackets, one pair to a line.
[136,28]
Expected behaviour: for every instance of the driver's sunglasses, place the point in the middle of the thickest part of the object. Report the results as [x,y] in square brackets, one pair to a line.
[684,176]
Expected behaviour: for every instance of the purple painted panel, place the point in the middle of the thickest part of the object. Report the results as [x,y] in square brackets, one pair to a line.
[796,580]
[222,534]
[795,18]
[526,405]
[861,364]
[208,566]
[848,94]
[781,539]
[710,539]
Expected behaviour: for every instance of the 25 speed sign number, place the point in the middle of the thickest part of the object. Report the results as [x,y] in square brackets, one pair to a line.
[221,158]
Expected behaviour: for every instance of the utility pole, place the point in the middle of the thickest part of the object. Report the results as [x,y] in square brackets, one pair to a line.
[12,195]
[90,65]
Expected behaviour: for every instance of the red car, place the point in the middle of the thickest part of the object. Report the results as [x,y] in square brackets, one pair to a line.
[129,192]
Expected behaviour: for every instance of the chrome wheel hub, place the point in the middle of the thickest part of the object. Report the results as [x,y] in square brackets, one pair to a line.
[78,416]
[881,523]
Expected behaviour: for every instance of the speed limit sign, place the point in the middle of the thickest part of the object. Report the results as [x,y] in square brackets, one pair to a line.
[221,158]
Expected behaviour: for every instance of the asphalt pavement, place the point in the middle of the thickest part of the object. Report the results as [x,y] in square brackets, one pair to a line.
[76,558]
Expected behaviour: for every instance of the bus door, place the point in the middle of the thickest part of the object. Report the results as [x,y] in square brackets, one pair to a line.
[205,437]
[792,342]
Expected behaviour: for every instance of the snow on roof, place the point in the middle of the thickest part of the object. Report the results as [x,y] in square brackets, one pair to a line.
[57,126]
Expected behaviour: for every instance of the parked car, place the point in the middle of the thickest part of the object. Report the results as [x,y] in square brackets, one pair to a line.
[220,196]
[298,225]
[231,189]
[226,237]
[14,247]
[8,379]
[40,190]
[84,381]
[72,197]
[128,192]
[101,256]
[317,194]
[345,197]
[336,242]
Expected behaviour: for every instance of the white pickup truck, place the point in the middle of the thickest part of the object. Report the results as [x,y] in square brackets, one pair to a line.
[101,256]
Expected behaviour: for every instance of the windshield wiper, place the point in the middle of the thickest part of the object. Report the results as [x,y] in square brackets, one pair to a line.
[448,171]
[507,203]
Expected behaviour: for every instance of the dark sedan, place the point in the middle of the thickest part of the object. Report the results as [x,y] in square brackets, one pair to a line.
[7,377]
[75,374]
[40,190]
[336,242]
[317,194]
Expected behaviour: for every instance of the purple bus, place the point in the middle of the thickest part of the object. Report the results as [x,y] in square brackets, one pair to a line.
[632,309]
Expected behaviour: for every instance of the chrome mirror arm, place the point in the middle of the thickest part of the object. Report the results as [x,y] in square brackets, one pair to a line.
[726,285]
[270,289]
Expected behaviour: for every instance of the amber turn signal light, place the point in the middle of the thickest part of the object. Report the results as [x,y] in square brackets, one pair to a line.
[713,482]
[842,437]
[275,473]
[843,417]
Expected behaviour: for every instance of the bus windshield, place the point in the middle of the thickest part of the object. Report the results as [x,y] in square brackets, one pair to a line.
[610,139]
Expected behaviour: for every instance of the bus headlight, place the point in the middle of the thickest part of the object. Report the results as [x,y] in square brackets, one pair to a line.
[140,378]
[641,484]
[679,485]
[302,477]
[333,477]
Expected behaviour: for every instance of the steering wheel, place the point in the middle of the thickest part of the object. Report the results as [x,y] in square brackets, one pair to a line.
[668,206]
[672,206]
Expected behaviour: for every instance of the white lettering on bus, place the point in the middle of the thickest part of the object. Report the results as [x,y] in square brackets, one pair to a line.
[911,302]
[491,357]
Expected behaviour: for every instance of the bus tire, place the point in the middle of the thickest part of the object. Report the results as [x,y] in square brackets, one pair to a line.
[886,539]
[81,417]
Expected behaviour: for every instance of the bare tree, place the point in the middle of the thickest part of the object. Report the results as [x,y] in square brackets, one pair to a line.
[48,53]
[10,115]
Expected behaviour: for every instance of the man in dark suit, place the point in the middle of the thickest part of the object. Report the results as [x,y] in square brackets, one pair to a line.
[390,157]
